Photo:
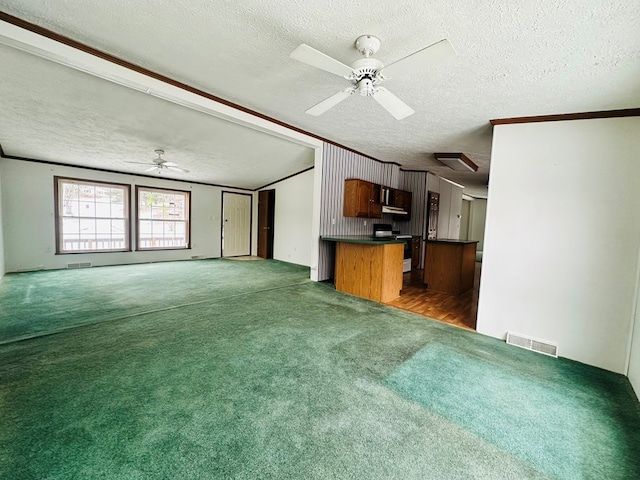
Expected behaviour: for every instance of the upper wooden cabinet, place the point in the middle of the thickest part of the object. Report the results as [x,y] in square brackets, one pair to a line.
[361,199]
[365,199]
[402,199]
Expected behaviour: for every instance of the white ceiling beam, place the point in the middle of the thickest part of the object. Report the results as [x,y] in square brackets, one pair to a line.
[44,47]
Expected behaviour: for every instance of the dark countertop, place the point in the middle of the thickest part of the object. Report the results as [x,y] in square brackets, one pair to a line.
[450,240]
[363,239]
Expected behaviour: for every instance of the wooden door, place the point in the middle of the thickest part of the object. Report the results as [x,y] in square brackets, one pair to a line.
[266,216]
[236,224]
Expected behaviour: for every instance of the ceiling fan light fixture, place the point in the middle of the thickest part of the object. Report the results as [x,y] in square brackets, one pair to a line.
[456,161]
[367,73]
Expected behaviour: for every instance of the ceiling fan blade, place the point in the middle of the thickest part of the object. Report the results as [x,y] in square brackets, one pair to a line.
[177,169]
[169,164]
[140,163]
[311,56]
[392,104]
[151,169]
[332,101]
[427,56]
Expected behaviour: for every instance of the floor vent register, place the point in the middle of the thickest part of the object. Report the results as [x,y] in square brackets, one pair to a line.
[534,345]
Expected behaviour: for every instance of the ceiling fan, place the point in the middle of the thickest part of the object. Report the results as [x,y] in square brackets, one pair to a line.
[160,164]
[366,74]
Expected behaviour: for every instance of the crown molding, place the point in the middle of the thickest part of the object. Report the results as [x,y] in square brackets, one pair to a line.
[627,112]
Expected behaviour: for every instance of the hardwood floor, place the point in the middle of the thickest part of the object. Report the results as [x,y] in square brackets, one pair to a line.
[459,310]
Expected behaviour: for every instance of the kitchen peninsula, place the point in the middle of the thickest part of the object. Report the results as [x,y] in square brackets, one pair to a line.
[449,265]
[368,268]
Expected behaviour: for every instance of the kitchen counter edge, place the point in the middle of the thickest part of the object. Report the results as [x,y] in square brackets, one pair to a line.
[362,239]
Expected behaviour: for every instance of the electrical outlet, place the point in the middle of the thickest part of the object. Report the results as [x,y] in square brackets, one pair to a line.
[365,223]
[333,221]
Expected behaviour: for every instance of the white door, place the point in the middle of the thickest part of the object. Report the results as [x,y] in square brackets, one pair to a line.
[236,224]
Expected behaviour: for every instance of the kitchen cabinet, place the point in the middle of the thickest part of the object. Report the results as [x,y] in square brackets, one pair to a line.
[366,199]
[416,244]
[367,268]
[361,199]
[449,265]
[402,199]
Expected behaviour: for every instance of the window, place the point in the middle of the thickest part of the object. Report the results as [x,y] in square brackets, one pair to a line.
[91,216]
[163,218]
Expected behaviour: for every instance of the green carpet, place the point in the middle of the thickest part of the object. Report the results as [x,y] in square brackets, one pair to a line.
[36,303]
[550,416]
[285,378]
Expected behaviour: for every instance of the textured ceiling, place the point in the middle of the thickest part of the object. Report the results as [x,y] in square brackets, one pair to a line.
[514,59]
[55,113]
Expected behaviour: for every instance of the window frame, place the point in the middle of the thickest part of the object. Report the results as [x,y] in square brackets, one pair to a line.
[187,220]
[58,217]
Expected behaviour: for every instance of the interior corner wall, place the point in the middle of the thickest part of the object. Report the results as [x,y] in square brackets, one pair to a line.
[560,257]
[292,219]
[2,254]
[29,222]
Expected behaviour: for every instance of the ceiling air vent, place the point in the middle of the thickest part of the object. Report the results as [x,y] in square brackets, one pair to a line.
[527,343]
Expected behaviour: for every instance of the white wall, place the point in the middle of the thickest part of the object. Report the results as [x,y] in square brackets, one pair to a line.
[433,183]
[28,220]
[634,360]
[477,217]
[449,209]
[455,211]
[293,219]
[560,256]
[2,263]
[465,221]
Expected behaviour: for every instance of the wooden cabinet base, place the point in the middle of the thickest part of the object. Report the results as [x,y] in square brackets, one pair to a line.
[369,271]
[449,267]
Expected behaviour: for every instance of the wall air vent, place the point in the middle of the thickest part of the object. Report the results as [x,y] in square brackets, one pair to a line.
[79,265]
[527,343]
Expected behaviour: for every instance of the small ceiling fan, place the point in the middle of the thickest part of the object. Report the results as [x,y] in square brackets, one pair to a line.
[160,164]
[366,74]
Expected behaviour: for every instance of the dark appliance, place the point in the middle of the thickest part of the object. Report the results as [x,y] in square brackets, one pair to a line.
[434,205]
[384,231]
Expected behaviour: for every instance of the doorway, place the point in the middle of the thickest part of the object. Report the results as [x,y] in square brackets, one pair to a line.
[266,217]
[236,224]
